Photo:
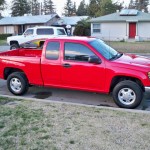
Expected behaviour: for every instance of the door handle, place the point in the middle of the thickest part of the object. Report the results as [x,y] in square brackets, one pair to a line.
[66,65]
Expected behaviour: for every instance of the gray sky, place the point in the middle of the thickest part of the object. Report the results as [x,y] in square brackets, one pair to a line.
[59,4]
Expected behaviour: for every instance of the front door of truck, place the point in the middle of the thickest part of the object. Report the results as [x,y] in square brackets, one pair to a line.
[77,72]
[26,40]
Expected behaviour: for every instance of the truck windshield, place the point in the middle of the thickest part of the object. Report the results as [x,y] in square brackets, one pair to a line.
[105,50]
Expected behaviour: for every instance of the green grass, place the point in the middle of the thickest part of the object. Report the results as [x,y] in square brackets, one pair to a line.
[131,47]
[49,126]
[3,42]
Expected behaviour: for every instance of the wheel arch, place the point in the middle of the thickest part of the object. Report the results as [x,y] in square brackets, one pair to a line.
[14,42]
[118,79]
[9,70]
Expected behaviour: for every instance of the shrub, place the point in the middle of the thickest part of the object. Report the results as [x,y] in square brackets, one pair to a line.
[82,28]
[4,36]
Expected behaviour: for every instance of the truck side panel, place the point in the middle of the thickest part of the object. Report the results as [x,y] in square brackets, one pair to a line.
[29,65]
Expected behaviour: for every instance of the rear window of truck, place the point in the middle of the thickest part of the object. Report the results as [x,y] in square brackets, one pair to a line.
[49,31]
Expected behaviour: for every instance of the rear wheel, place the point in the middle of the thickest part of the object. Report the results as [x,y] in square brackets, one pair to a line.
[17,83]
[14,46]
[127,94]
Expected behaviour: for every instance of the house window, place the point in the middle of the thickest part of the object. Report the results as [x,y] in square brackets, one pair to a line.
[9,30]
[96,28]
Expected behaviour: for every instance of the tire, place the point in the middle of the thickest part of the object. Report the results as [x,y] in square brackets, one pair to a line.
[127,94]
[17,83]
[14,46]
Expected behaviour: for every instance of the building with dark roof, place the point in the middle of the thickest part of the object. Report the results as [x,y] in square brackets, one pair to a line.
[129,24]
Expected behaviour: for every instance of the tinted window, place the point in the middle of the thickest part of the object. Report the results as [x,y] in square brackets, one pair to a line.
[52,50]
[29,32]
[61,32]
[49,31]
[77,52]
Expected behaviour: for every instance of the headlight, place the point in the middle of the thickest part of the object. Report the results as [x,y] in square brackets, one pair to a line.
[148,75]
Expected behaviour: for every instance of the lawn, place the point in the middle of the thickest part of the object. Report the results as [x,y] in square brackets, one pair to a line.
[3,42]
[30,125]
[131,47]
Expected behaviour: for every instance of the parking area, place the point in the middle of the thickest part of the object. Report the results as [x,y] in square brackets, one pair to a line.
[72,96]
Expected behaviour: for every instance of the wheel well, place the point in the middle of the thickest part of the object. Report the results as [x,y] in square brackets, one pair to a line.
[9,71]
[118,79]
[14,42]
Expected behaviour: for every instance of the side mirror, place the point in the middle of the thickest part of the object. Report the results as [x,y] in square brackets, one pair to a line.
[94,60]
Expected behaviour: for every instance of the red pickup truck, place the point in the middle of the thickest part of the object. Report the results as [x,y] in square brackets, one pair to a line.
[78,63]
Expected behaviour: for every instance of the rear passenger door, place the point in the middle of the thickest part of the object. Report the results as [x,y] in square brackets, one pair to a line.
[50,64]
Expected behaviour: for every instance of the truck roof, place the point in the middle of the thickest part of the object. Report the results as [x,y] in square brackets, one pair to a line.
[45,27]
[76,38]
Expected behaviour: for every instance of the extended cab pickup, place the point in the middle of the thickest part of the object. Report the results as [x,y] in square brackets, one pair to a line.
[78,63]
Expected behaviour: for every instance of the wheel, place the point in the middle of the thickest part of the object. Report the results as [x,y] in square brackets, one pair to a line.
[17,83]
[127,94]
[14,46]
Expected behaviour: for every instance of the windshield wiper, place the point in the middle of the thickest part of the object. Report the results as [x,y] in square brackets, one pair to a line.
[118,55]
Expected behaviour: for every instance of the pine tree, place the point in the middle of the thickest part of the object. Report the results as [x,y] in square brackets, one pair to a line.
[20,7]
[69,8]
[74,10]
[142,5]
[132,4]
[49,7]
[35,7]
[102,7]
[93,8]
[108,7]
[82,9]
[2,3]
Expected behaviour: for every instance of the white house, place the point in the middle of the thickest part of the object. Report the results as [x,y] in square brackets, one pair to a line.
[125,25]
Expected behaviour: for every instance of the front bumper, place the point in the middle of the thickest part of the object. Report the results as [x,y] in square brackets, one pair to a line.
[147,88]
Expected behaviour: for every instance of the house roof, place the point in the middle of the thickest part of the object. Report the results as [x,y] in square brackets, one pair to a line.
[70,20]
[27,19]
[116,17]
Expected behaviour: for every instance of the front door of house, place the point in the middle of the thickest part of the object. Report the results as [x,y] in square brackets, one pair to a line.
[132,30]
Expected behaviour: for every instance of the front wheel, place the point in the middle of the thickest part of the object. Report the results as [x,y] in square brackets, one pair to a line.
[127,94]
[17,83]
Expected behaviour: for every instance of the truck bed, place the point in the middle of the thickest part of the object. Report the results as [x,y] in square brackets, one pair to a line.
[27,60]
[23,52]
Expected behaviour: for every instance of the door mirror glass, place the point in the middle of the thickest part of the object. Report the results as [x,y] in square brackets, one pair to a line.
[94,60]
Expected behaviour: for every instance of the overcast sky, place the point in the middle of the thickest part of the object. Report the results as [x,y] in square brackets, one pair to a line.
[59,4]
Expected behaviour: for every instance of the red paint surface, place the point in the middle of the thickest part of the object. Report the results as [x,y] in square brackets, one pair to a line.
[132,30]
[81,75]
